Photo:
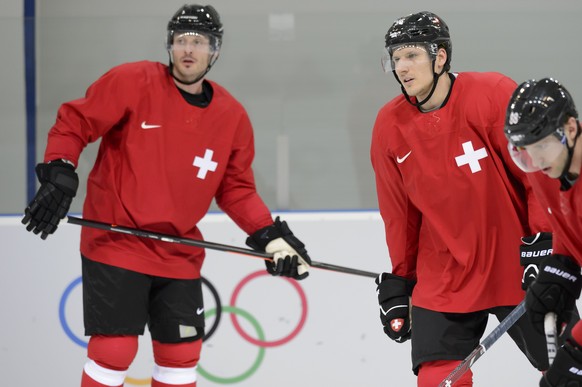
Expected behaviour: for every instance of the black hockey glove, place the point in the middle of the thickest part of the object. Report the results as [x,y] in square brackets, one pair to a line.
[58,186]
[290,258]
[533,250]
[394,298]
[566,370]
[556,289]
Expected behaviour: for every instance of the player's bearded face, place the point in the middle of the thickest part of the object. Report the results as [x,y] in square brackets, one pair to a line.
[413,66]
[191,53]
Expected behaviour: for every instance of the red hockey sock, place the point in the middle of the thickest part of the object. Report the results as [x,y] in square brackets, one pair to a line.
[175,364]
[174,377]
[109,359]
[432,373]
[113,378]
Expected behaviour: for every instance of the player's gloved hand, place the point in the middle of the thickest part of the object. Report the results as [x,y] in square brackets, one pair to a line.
[566,370]
[290,257]
[556,289]
[58,186]
[394,298]
[533,250]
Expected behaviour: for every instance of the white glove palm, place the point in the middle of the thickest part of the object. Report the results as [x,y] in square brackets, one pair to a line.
[290,257]
[281,250]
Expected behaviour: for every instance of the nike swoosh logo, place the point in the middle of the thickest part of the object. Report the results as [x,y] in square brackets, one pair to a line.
[199,310]
[400,160]
[146,126]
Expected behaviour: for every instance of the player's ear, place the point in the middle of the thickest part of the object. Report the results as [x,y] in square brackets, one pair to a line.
[441,59]
[571,129]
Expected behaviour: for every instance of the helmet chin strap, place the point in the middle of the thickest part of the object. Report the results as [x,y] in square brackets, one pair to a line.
[567,178]
[435,80]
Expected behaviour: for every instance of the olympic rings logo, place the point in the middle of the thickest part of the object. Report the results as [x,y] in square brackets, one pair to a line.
[216,312]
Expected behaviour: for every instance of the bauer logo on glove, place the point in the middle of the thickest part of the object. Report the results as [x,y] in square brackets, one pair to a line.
[533,250]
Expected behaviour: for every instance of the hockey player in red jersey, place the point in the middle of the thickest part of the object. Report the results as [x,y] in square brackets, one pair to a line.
[543,130]
[454,205]
[171,142]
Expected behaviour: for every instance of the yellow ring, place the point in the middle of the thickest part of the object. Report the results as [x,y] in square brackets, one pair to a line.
[138,382]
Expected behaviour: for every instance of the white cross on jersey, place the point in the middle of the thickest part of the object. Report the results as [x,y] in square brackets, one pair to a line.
[205,164]
[471,157]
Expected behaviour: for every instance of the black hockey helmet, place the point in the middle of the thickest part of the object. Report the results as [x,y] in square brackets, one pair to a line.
[536,110]
[422,27]
[194,17]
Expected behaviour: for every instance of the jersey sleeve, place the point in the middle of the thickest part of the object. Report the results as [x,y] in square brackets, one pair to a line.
[401,218]
[85,120]
[536,218]
[237,195]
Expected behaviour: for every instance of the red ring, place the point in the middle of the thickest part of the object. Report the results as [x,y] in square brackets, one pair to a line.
[265,343]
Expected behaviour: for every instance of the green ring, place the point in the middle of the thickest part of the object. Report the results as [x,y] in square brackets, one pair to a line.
[256,364]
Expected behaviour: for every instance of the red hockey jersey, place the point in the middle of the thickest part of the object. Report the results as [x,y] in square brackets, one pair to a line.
[160,163]
[453,202]
[565,214]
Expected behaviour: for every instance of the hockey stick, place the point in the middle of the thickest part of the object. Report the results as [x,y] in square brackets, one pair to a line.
[206,244]
[487,342]
[550,330]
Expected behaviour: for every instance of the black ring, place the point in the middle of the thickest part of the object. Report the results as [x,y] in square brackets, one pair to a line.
[212,289]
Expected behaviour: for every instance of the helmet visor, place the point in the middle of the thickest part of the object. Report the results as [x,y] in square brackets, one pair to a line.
[407,54]
[194,41]
[539,155]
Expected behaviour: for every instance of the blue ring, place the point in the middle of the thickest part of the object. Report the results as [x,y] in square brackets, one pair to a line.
[62,318]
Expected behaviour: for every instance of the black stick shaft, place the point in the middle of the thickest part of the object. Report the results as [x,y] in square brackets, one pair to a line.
[487,342]
[205,244]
